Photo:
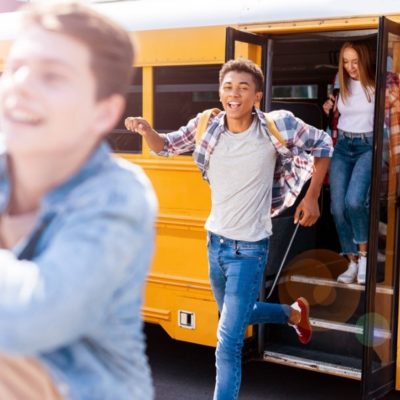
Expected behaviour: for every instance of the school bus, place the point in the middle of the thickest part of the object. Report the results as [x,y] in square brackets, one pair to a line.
[182,46]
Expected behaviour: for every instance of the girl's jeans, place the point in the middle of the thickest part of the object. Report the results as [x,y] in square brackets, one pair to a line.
[350,180]
[236,270]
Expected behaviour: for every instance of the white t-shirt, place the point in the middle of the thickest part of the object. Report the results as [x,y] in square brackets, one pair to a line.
[356,114]
[241,171]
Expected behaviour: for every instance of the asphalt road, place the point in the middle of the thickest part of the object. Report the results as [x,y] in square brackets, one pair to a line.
[183,371]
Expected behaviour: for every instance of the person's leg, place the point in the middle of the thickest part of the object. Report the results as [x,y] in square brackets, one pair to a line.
[340,172]
[357,197]
[242,265]
[270,313]
[215,272]
[24,378]
[357,202]
[296,315]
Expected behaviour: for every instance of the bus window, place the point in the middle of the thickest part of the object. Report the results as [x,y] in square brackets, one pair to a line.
[182,92]
[120,139]
[295,92]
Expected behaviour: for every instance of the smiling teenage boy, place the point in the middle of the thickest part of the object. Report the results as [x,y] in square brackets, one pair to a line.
[243,163]
[76,224]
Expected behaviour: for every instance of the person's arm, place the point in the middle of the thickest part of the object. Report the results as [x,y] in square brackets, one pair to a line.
[143,128]
[329,104]
[172,143]
[308,208]
[65,292]
[319,144]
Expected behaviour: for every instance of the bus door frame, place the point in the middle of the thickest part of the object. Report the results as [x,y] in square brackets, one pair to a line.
[265,42]
[376,383]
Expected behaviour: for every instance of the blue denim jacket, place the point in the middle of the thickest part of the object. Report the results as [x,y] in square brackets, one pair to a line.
[76,306]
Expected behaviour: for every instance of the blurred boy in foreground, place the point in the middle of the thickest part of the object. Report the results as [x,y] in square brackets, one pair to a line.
[76,224]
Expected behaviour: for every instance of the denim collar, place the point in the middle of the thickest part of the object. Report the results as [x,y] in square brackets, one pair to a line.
[55,198]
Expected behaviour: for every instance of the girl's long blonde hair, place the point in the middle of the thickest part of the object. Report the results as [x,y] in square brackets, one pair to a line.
[365,67]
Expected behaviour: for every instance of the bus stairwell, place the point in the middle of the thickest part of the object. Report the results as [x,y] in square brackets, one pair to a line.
[337,309]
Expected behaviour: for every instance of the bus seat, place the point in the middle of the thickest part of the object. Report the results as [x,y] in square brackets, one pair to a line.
[311,113]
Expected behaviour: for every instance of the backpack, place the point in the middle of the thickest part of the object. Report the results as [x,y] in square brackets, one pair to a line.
[206,115]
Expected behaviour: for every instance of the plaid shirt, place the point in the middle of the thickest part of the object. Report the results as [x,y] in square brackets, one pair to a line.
[294,165]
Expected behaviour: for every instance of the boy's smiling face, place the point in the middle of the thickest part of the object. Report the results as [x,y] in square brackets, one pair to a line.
[238,94]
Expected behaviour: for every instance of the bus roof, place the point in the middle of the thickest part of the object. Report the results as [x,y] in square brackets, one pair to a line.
[143,15]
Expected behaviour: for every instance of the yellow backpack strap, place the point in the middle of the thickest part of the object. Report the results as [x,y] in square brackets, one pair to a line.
[203,122]
[273,129]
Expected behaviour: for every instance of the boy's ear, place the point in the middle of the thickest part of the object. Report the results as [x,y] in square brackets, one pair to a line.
[259,96]
[109,111]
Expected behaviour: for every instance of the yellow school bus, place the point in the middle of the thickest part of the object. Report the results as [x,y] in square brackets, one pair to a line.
[182,46]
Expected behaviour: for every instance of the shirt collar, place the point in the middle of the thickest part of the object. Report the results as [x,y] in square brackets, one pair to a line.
[92,165]
[256,111]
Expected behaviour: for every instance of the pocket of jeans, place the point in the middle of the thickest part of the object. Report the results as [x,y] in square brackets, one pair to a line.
[251,251]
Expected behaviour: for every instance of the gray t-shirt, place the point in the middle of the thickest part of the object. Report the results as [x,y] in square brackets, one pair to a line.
[241,171]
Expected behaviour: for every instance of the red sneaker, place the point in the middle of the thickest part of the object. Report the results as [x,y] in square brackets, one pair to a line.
[303,328]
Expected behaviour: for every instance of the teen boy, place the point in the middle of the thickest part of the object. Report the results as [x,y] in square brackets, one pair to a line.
[76,224]
[249,172]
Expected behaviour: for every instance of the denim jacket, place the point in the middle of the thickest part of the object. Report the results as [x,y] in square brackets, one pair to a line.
[75,305]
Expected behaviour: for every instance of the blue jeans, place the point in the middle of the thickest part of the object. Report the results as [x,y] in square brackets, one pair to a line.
[350,180]
[236,270]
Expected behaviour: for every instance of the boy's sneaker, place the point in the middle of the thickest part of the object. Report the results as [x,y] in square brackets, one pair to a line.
[362,270]
[303,328]
[350,275]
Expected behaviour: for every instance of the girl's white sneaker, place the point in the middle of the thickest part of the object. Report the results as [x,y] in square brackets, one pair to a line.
[350,275]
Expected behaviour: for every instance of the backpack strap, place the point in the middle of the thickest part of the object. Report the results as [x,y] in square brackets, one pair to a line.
[273,129]
[206,115]
[203,122]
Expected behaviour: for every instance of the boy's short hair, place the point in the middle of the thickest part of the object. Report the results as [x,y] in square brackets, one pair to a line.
[111,50]
[244,65]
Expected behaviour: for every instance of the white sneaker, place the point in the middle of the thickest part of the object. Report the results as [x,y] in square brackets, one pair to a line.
[362,270]
[350,275]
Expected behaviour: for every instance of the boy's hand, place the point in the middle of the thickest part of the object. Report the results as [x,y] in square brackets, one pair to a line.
[307,212]
[138,124]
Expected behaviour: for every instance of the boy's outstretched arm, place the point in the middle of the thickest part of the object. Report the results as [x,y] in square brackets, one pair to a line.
[143,128]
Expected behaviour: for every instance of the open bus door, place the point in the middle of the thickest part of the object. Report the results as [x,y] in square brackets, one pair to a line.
[355,327]
[259,48]
[381,317]
[256,48]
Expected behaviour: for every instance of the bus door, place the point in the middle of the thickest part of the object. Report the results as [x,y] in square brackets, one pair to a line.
[254,47]
[259,48]
[381,317]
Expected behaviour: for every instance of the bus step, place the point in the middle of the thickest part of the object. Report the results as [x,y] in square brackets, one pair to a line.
[379,333]
[338,338]
[347,367]
[317,281]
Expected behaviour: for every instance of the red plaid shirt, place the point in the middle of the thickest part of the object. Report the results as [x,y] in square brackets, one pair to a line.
[294,165]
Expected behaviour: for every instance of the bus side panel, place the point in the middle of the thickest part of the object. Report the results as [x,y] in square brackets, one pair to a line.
[178,293]
[204,45]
